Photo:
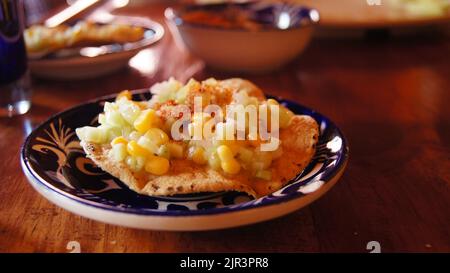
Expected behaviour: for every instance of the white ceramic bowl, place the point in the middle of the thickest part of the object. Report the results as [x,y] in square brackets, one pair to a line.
[287,32]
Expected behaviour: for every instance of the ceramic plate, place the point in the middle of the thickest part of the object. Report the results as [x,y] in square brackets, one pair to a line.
[357,14]
[58,169]
[91,62]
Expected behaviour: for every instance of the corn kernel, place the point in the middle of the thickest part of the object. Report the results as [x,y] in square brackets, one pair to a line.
[135,149]
[214,161]
[224,153]
[140,162]
[124,94]
[163,151]
[131,162]
[198,155]
[134,135]
[228,163]
[119,140]
[157,165]
[145,120]
[157,135]
[176,150]
[231,167]
[134,163]
[147,144]
[233,145]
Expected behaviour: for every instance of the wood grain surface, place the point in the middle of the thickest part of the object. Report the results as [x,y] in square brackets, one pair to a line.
[390,97]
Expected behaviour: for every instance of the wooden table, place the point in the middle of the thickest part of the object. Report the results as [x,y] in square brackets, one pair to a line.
[389,97]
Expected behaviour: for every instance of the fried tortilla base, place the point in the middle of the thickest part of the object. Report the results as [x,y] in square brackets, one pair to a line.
[298,141]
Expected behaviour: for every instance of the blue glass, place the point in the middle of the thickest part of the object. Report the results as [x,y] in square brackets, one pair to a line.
[14,79]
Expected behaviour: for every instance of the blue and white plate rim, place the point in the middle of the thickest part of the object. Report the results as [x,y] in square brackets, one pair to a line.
[270,200]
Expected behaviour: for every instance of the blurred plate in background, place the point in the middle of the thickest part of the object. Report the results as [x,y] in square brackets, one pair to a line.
[380,13]
[90,62]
